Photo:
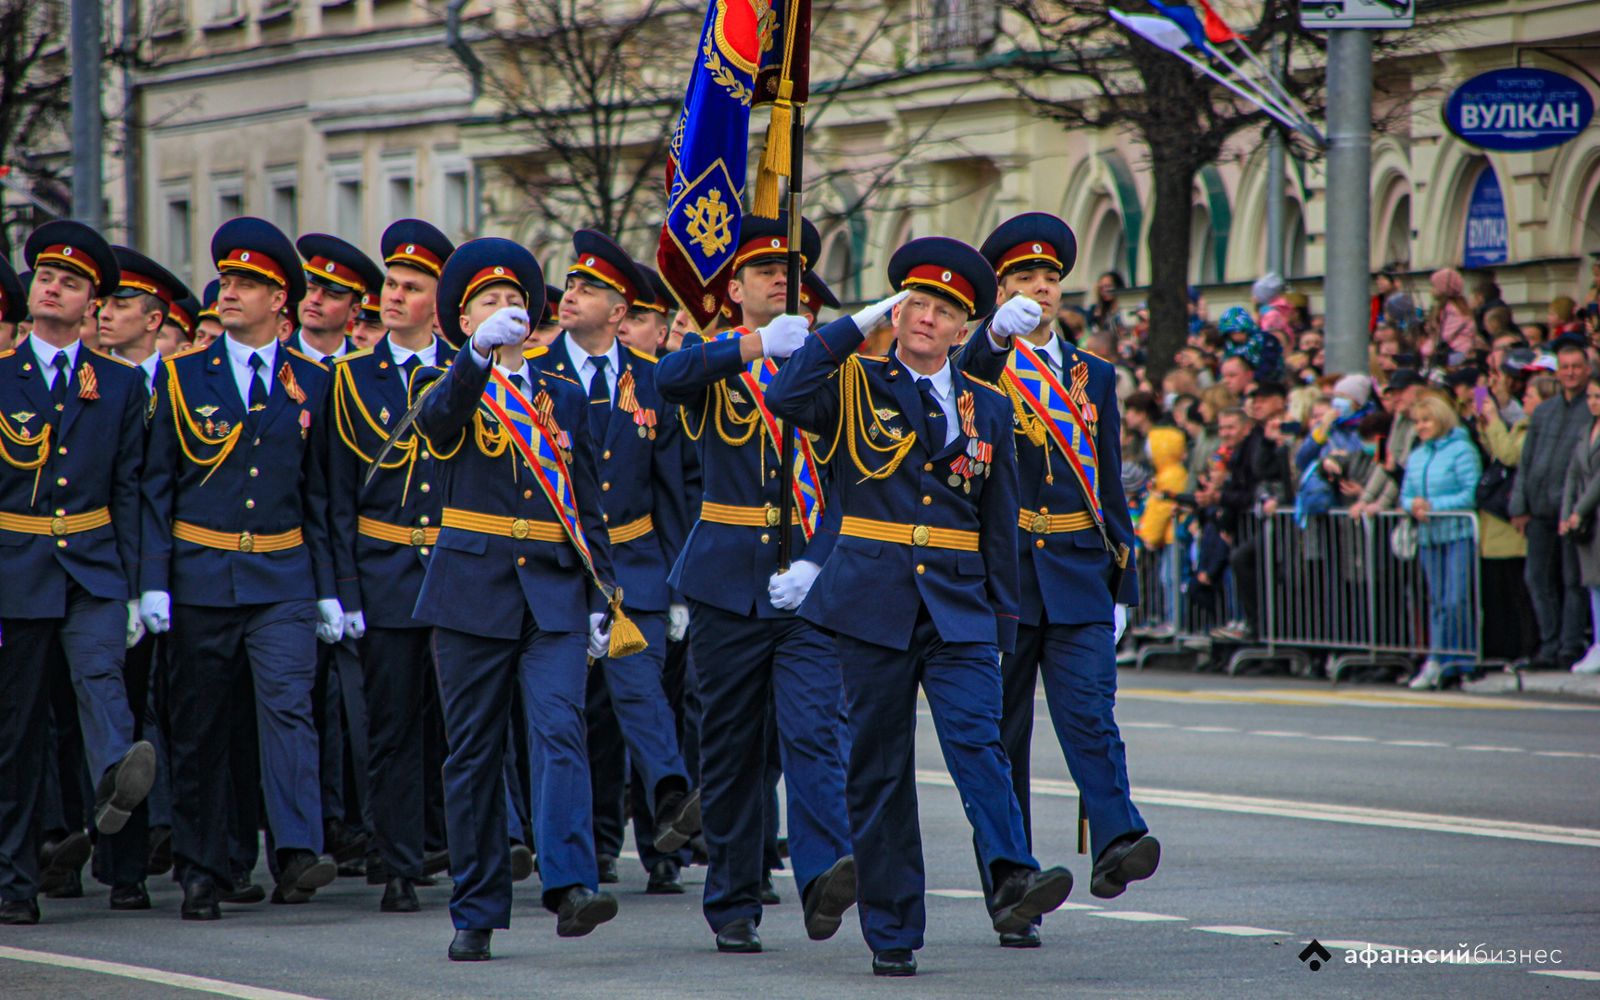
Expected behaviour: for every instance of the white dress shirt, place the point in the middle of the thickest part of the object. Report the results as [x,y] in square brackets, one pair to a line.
[425,357]
[944,393]
[239,359]
[46,353]
[583,364]
[148,366]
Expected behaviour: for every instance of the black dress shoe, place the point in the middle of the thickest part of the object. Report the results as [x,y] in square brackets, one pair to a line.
[1027,939]
[302,876]
[377,871]
[1026,894]
[346,846]
[66,884]
[160,851]
[582,910]
[399,897]
[522,863]
[424,881]
[353,869]
[607,867]
[698,855]
[677,819]
[1128,859]
[827,898]
[19,912]
[124,785]
[244,891]
[739,937]
[130,897]
[894,962]
[664,879]
[470,946]
[435,862]
[769,893]
[200,901]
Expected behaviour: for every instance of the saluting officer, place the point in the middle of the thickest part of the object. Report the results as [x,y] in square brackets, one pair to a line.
[71,441]
[645,516]
[512,590]
[746,641]
[338,276]
[1074,535]
[922,585]
[237,563]
[383,534]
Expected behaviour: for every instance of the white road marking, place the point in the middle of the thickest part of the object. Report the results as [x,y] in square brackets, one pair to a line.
[1146,725]
[1415,743]
[1237,930]
[957,893]
[1342,738]
[1135,916]
[1077,906]
[1346,739]
[1324,812]
[1284,733]
[1568,974]
[1356,945]
[1490,749]
[1210,729]
[158,976]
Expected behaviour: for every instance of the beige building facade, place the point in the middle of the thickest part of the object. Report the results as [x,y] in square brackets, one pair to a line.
[342,115]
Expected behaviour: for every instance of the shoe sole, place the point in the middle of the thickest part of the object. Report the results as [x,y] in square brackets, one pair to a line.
[1021,943]
[521,863]
[753,948]
[203,915]
[838,891]
[469,956]
[404,908]
[1139,863]
[657,889]
[589,916]
[71,853]
[1046,895]
[318,875]
[254,894]
[135,775]
[894,973]
[681,827]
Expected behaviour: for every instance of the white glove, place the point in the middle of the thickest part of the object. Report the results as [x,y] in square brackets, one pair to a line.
[1119,622]
[599,641]
[783,336]
[507,326]
[874,314]
[355,625]
[331,626]
[1020,315]
[135,626]
[677,622]
[789,588]
[155,610]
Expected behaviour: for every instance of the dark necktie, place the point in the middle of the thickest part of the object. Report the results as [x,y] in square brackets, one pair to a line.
[58,388]
[408,367]
[258,391]
[599,400]
[521,384]
[938,426]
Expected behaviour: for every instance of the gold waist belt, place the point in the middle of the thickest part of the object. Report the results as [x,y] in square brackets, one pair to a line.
[67,524]
[519,528]
[395,533]
[745,517]
[237,541]
[920,535]
[1041,523]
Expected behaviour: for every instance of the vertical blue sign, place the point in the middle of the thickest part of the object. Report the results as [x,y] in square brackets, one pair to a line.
[1485,244]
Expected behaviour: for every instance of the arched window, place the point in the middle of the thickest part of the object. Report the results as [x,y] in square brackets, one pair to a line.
[1108,247]
[837,265]
[1397,238]
[1202,247]
[1294,240]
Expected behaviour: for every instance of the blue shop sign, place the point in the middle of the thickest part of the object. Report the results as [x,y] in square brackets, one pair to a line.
[1485,244]
[1518,110]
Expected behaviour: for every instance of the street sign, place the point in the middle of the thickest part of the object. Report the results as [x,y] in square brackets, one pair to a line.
[1519,110]
[1325,15]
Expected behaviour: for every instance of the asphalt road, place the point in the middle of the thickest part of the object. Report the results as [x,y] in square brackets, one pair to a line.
[1287,811]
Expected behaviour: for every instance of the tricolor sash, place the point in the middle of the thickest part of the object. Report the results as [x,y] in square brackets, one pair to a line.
[1064,423]
[805,477]
[532,441]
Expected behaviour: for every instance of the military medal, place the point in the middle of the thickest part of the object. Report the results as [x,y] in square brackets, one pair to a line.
[383,416]
[88,384]
[222,427]
[205,411]
[627,395]
[23,416]
[305,423]
[290,385]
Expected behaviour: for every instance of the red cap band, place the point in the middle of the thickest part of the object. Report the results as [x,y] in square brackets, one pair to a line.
[942,279]
[331,270]
[253,262]
[1024,253]
[600,269]
[69,257]
[417,256]
[489,276]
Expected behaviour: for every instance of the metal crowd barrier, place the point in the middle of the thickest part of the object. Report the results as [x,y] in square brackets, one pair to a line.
[1176,612]
[1336,587]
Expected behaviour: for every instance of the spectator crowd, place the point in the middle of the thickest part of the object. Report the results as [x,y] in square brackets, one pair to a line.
[1472,437]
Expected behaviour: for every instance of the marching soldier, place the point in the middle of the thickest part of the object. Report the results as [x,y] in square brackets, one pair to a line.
[208,323]
[368,327]
[71,443]
[922,585]
[1074,535]
[645,327]
[383,533]
[645,513]
[747,643]
[237,563]
[513,591]
[338,277]
[178,329]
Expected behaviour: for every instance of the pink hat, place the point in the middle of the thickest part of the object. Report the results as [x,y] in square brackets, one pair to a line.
[1447,282]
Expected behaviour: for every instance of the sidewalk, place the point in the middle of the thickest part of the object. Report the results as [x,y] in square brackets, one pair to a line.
[1549,683]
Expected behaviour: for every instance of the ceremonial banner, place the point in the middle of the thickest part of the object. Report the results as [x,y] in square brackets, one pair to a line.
[706,161]
[784,82]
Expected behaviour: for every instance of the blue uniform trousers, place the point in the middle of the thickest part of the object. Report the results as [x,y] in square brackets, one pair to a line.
[476,679]
[90,639]
[740,663]
[678,684]
[1079,667]
[342,737]
[274,645]
[397,670]
[962,683]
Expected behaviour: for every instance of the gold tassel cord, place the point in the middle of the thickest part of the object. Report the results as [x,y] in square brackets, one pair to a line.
[626,639]
[776,157]
[856,403]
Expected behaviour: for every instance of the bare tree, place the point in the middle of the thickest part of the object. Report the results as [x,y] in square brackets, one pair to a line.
[34,108]
[1184,119]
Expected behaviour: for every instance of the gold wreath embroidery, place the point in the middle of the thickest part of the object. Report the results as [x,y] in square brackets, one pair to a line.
[723,75]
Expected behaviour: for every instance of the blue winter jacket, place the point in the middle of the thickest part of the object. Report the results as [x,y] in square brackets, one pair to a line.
[1445,472]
